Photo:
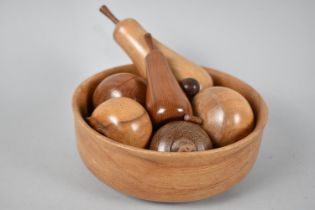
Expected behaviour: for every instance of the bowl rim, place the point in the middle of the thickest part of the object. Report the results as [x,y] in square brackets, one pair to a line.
[259,125]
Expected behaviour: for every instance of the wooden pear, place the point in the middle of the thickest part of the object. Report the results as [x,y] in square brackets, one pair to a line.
[165,99]
[129,34]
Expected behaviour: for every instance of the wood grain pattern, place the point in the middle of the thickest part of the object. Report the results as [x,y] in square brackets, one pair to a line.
[120,85]
[180,136]
[226,115]
[129,34]
[163,176]
[123,120]
[165,100]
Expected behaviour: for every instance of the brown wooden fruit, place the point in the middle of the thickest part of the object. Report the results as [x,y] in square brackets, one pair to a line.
[123,120]
[227,116]
[129,34]
[120,85]
[180,136]
[165,99]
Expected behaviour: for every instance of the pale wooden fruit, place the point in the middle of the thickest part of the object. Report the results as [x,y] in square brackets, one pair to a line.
[226,115]
[123,120]
[129,34]
[164,176]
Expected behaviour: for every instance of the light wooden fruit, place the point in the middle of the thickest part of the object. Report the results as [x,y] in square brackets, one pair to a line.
[164,176]
[226,115]
[123,120]
[129,34]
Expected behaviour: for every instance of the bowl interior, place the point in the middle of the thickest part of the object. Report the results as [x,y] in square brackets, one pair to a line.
[82,103]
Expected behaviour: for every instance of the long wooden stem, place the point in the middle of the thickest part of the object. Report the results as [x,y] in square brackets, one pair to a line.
[104,9]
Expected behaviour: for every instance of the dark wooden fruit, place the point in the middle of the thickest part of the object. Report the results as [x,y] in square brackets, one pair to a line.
[120,85]
[190,86]
[165,99]
[180,136]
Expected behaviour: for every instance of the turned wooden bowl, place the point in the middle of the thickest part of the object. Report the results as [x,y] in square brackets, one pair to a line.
[165,176]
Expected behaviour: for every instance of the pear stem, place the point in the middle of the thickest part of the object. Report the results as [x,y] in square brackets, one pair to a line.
[104,9]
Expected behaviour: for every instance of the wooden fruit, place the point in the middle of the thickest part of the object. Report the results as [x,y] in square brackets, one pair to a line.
[123,120]
[120,85]
[165,99]
[180,136]
[129,34]
[190,86]
[227,116]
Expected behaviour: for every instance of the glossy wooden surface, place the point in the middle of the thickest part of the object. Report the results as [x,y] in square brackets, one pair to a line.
[226,115]
[190,86]
[165,99]
[164,176]
[123,120]
[129,34]
[180,136]
[120,85]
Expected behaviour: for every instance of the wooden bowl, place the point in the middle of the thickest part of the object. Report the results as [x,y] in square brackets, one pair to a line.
[166,177]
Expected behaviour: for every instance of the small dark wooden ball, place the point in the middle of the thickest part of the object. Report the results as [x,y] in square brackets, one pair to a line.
[190,86]
[180,136]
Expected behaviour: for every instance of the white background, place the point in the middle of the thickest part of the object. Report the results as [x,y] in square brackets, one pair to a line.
[48,47]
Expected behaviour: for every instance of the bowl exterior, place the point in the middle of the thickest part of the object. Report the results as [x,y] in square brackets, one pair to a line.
[166,177]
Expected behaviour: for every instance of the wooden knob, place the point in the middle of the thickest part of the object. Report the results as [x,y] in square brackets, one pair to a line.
[190,86]
[124,120]
[227,116]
